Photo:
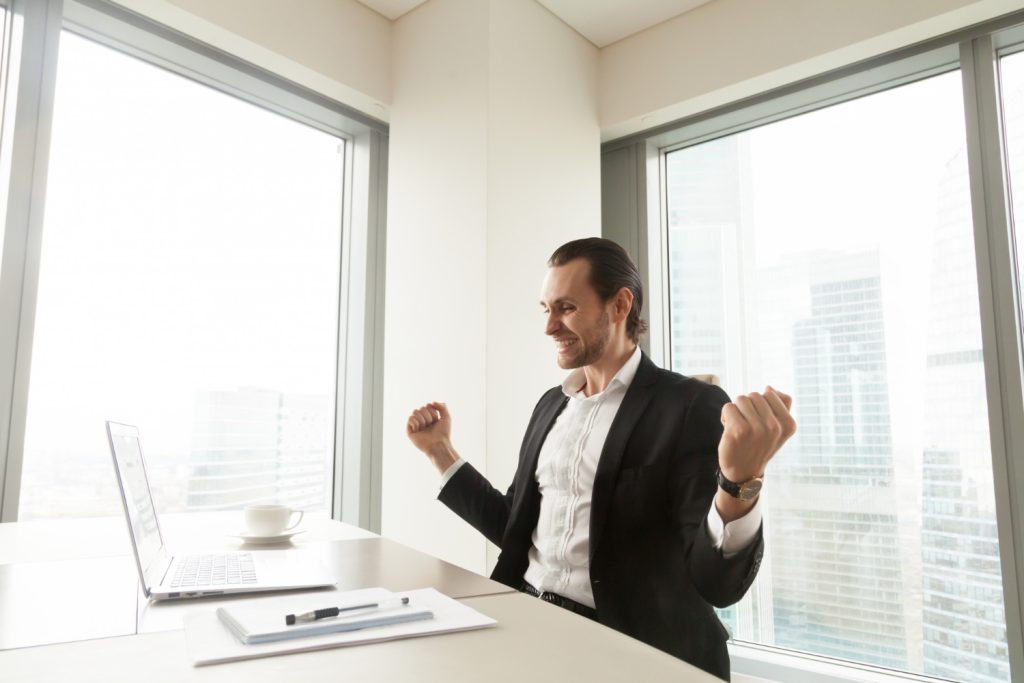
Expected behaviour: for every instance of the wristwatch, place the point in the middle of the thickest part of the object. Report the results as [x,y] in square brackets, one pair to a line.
[748,490]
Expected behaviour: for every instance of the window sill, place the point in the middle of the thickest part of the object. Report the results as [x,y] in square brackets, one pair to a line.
[753,663]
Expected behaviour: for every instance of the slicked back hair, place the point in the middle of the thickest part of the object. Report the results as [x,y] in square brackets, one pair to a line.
[611,269]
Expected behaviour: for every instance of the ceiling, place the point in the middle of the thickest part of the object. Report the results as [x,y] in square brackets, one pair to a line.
[602,22]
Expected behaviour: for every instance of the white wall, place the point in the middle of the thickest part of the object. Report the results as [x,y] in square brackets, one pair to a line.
[494,163]
[340,48]
[435,301]
[727,50]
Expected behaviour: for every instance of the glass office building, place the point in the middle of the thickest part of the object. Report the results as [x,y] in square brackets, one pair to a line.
[964,625]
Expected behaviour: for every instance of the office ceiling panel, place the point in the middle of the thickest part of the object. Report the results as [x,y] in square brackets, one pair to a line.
[602,22]
[392,9]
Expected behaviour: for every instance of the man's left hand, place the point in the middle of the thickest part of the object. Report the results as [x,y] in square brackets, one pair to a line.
[755,427]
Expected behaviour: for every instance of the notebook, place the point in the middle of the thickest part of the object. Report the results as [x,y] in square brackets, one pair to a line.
[167,577]
[258,623]
[210,641]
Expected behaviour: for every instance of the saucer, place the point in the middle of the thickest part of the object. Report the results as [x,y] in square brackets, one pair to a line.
[254,539]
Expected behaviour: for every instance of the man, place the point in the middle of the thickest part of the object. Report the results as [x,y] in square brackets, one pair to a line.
[631,504]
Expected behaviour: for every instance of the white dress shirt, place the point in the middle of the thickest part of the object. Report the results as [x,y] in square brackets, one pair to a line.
[560,556]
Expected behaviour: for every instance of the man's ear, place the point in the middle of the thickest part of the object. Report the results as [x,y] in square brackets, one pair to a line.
[623,304]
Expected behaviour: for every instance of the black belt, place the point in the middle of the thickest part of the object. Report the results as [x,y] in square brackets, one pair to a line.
[561,601]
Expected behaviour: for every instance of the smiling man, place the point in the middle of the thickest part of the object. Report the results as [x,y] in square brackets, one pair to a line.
[636,498]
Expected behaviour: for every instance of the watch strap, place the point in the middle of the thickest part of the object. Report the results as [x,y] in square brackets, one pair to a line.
[744,491]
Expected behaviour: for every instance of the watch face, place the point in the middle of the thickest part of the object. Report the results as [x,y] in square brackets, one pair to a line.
[750,489]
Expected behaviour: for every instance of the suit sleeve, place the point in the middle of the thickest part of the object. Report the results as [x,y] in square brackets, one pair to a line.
[469,495]
[721,581]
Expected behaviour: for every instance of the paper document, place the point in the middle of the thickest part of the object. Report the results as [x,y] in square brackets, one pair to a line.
[211,641]
[255,623]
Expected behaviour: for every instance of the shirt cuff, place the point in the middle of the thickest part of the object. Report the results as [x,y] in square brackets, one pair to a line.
[450,472]
[733,537]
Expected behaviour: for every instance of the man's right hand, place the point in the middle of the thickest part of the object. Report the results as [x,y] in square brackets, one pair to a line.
[429,428]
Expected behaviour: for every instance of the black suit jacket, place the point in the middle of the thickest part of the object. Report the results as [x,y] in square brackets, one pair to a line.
[653,569]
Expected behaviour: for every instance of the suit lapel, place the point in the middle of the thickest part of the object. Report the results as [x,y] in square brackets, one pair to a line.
[633,405]
[526,507]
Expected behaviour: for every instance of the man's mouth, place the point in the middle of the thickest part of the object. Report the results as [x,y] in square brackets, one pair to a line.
[565,344]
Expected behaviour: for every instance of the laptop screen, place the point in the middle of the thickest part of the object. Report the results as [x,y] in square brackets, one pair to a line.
[138,500]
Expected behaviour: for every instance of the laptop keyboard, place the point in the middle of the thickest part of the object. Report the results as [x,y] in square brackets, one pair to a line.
[214,570]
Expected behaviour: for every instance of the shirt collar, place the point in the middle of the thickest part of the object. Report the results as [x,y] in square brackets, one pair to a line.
[577,379]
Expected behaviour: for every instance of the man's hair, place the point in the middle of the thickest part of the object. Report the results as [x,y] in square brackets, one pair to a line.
[611,269]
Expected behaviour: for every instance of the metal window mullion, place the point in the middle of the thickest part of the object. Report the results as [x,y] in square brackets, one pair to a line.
[358,456]
[36,36]
[373,388]
[655,220]
[1000,322]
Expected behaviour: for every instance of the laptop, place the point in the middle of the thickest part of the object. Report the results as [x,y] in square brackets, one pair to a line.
[167,577]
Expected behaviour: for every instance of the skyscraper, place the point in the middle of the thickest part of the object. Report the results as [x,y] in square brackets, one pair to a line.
[834,523]
[964,625]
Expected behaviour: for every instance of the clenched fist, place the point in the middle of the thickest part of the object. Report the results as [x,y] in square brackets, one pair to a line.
[429,428]
[755,427]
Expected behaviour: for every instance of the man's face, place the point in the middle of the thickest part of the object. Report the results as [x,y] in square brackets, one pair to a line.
[577,318]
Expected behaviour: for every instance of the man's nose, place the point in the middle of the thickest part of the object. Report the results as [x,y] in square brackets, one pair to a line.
[553,324]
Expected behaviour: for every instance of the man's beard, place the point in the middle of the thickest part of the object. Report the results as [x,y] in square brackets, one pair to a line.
[593,344]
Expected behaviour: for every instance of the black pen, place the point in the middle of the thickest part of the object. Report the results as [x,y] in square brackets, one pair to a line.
[328,612]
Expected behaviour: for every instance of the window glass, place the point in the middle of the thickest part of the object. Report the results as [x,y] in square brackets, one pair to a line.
[189,285]
[831,255]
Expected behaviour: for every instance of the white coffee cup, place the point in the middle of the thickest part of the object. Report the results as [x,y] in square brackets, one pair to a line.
[270,520]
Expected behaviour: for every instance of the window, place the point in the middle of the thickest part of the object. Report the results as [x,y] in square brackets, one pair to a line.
[197,252]
[832,254]
[189,284]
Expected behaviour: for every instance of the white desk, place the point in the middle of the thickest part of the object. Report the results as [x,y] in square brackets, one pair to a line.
[356,563]
[47,565]
[533,640]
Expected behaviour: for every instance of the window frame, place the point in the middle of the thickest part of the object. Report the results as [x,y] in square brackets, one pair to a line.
[356,482]
[634,213]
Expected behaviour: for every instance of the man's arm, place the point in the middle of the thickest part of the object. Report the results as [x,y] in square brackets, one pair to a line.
[469,495]
[720,580]
[743,444]
[465,491]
